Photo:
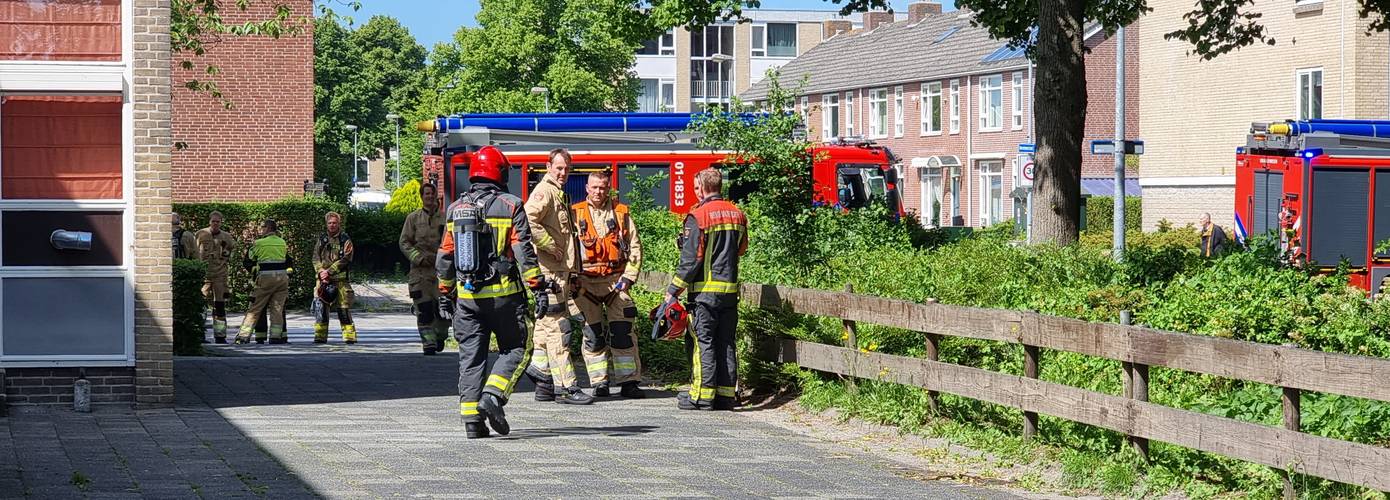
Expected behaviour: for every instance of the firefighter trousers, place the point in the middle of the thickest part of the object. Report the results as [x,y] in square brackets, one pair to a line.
[268,298]
[714,360]
[424,293]
[550,361]
[215,291]
[344,309]
[475,321]
[610,354]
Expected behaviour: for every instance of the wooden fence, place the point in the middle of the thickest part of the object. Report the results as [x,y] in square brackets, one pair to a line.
[1138,348]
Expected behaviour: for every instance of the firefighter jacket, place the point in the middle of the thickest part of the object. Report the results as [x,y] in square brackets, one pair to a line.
[420,238]
[185,244]
[557,245]
[216,250]
[715,236]
[333,253]
[609,240]
[509,234]
[269,254]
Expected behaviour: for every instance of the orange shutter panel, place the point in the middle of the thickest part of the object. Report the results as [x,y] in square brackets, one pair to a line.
[60,30]
[60,147]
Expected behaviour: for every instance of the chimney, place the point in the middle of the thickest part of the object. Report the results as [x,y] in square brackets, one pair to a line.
[875,19]
[920,10]
[833,28]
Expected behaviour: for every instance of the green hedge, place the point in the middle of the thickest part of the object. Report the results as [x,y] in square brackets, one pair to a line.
[188,307]
[1100,214]
[374,235]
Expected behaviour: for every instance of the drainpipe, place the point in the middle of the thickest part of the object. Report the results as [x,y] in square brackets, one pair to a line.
[969,120]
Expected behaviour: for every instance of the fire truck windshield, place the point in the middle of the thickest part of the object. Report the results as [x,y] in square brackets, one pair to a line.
[860,185]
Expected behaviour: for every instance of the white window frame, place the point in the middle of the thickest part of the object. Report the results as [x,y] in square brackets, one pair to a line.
[83,78]
[927,108]
[829,106]
[662,48]
[955,106]
[1016,100]
[898,111]
[668,99]
[1301,95]
[878,113]
[848,115]
[987,217]
[761,33]
[992,84]
[805,110]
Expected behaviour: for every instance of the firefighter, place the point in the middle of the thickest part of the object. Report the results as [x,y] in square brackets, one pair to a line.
[612,257]
[269,261]
[1214,240]
[419,240]
[332,257]
[185,244]
[714,237]
[483,262]
[557,249]
[216,247]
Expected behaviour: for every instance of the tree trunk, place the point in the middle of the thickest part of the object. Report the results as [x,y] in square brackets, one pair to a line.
[1060,114]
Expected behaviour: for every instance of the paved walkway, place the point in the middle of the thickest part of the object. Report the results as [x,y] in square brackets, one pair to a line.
[380,420]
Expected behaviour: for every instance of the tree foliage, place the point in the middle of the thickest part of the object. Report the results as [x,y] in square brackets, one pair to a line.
[195,24]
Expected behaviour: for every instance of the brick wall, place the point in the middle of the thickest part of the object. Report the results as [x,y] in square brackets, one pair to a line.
[262,149]
[40,386]
[153,138]
[1100,100]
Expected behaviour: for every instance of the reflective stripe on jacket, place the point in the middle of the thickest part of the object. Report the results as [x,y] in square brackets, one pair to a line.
[714,238]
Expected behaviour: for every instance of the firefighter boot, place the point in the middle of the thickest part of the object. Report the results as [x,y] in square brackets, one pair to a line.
[545,391]
[349,334]
[725,403]
[491,409]
[573,396]
[683,402]
[631,390]
[320,333]
[603,390]
[475,430]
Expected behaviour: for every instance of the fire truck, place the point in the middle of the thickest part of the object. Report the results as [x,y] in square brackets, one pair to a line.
[1322,188]
[847,174]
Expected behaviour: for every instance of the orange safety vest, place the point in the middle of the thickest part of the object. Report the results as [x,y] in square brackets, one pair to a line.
[606,255]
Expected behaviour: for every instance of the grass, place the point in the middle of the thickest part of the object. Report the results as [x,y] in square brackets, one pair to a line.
[81,481]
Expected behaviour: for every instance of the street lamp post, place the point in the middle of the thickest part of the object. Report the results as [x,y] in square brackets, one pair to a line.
[395,118]
[545,92]
[353,128]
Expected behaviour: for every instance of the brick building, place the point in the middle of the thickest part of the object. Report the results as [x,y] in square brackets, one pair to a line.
[85,140]
[950,101]
[1195,113]
[263,148]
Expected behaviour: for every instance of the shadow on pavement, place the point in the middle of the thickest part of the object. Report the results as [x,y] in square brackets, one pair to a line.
[616,431]
[314,378]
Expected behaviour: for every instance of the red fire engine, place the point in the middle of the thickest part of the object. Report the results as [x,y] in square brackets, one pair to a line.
[846,174]
[1322,188]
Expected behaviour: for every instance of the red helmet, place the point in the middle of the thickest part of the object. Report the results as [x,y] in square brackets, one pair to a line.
[489,164]
[669,321]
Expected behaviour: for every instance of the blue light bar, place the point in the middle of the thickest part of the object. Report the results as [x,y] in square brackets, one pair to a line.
[575,122]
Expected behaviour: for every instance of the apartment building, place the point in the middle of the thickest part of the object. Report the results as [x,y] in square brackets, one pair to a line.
[953,103]
[1195,113]
[687,70]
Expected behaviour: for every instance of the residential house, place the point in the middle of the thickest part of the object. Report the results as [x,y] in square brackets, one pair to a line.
[954,104]
[1196,113]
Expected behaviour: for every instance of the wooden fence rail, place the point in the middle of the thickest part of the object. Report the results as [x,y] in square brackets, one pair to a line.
[1290,368]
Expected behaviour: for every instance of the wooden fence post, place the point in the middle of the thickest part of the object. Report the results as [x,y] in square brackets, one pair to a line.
[1030,370]
[934,354]
[1292,421]
[851,340]
[1137,388]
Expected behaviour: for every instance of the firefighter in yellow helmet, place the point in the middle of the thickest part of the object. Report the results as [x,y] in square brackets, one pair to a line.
[419,241]
[332,258]
[216,247]
[557,249]
[612,257]
[269,261]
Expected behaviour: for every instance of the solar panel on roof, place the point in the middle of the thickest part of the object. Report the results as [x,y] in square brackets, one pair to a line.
[1004,53]
[947,34]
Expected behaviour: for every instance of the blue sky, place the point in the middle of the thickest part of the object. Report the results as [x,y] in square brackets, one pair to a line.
[435,21]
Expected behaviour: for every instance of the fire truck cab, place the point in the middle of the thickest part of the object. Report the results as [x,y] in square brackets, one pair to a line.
[1322,188]
[847,174]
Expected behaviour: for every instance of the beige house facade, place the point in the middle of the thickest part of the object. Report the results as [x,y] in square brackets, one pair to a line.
[1195,113]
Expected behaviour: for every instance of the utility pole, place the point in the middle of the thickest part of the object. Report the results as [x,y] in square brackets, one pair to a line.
[395,118]
[1119,223]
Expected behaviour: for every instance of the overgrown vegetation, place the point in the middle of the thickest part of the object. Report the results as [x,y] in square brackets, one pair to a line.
[188,307]
[1246,296]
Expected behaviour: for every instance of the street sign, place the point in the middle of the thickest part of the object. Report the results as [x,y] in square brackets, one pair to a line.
[1108,147]
[1027,171]
[1027,147]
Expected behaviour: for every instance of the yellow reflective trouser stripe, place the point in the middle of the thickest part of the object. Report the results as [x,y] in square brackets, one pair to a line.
[596,367]
[624,364]
[680,283]
[715,287]
[521,366]
[695,370]
[497,381]
[502,289]
[468,407]
[701,394]
[724,391]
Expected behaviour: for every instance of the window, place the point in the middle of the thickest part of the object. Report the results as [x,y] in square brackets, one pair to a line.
[805,110]
[759,41]
[849,114]
[829,116]
[60,147]
[665,45]
[931,198]
[898,111]
[991,192]
[656,96]
[52,30]
[991,103]
[1310,94]
[1016,97]
[955,106]
[781,40]
[668,95]
[711,72]
[878,113]
[931,108]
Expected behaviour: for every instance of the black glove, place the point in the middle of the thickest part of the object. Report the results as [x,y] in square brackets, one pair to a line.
[542,302]
[622,285]
[446,308]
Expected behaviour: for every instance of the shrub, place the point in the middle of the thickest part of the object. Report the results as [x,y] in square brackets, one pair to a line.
[1100,214]
[188,307]
[405,199]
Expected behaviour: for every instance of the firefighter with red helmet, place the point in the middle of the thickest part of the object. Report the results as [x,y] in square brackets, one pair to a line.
[484,264]
[612,257]
[714,238]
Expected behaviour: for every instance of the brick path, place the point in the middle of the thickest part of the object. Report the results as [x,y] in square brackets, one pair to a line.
[379,420]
